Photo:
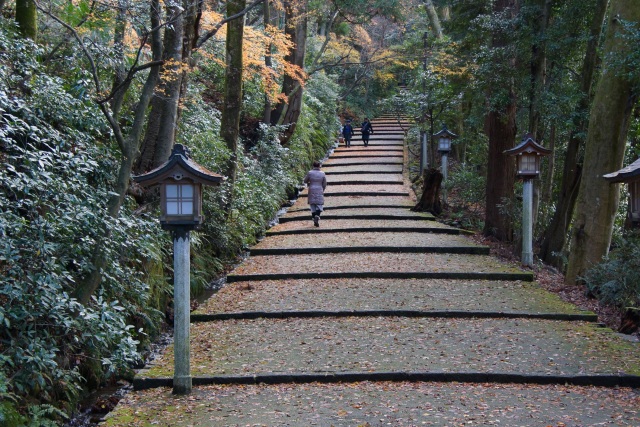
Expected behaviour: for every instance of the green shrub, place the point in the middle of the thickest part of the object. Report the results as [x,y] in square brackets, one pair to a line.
[616,280]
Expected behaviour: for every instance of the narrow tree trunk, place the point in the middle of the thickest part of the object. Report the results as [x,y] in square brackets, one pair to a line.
[433,17]
[430,199]
[604,151]
[160,133]
[556,234]
[27,18]
[296,28]
[501,129]
[230,122]
[118,47]
[266,116]
[538,65]
[129,146]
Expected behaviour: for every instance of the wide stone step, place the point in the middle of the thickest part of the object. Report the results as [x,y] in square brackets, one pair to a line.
[381,404]
[363,226]
[358,213]
[363,169]
[368,239]
[361,179]
[383,154]
[379,265]
[358,295]
[373,160]
[386,345]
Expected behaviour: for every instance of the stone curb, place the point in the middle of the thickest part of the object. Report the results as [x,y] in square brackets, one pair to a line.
[434,314]
[597,380]
[361,172]
[334,183]
[435,230]
[369,156]
[362,193]
[332,208]
[284,219]
[467,250]
[333,165]
[527,277]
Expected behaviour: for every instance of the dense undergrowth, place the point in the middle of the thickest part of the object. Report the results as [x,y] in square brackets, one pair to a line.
[58,169]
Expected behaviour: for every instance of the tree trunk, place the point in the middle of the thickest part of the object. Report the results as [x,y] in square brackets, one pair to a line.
[501,129]
[538,65]
[266,115]
[27,18]
[430,199]
[120,74]
[230,121]
[613,103]
[129,146]
[296,28]
[433,17]
[160,134]
[556,234]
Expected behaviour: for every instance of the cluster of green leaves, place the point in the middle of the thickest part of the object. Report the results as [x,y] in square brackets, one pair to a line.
[616,280]
[55,180]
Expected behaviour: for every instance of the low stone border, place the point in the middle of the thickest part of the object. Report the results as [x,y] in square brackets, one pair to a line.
[435,314]
[527,277]
[464,377]
[469,250]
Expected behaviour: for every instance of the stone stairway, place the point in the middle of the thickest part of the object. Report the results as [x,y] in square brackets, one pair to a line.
[383,316]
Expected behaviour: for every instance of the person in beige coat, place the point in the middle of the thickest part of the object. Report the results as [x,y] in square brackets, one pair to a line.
[317,182]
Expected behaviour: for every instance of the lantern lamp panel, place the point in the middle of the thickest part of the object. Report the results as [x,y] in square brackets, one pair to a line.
[528,164]
[180,199]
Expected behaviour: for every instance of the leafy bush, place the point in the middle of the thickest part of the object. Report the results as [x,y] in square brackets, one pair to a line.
[55,180]
[616,280]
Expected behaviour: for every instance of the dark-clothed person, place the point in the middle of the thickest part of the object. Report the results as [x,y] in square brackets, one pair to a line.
[347,132]
[366,130]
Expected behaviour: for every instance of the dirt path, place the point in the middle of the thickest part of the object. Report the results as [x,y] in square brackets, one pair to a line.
[383,317]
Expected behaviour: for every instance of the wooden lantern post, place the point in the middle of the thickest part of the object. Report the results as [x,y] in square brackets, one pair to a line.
[528,153]
[444,147]
[181,181]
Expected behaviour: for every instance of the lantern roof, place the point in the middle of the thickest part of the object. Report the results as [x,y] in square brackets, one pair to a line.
[626,174]
[528,145]
[445,132]
[179,164]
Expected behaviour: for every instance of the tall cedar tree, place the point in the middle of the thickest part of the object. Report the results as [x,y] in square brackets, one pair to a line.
[604,150]
[230,121]
[555,235]
[500,124]
[287,112]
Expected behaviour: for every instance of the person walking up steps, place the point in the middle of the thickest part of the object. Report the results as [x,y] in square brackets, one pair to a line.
[366,130]
[317,182]
[347,132]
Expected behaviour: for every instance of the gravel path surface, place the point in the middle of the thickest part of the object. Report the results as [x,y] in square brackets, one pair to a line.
[396,344]
[385,294]
[373,404]
[360,344]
